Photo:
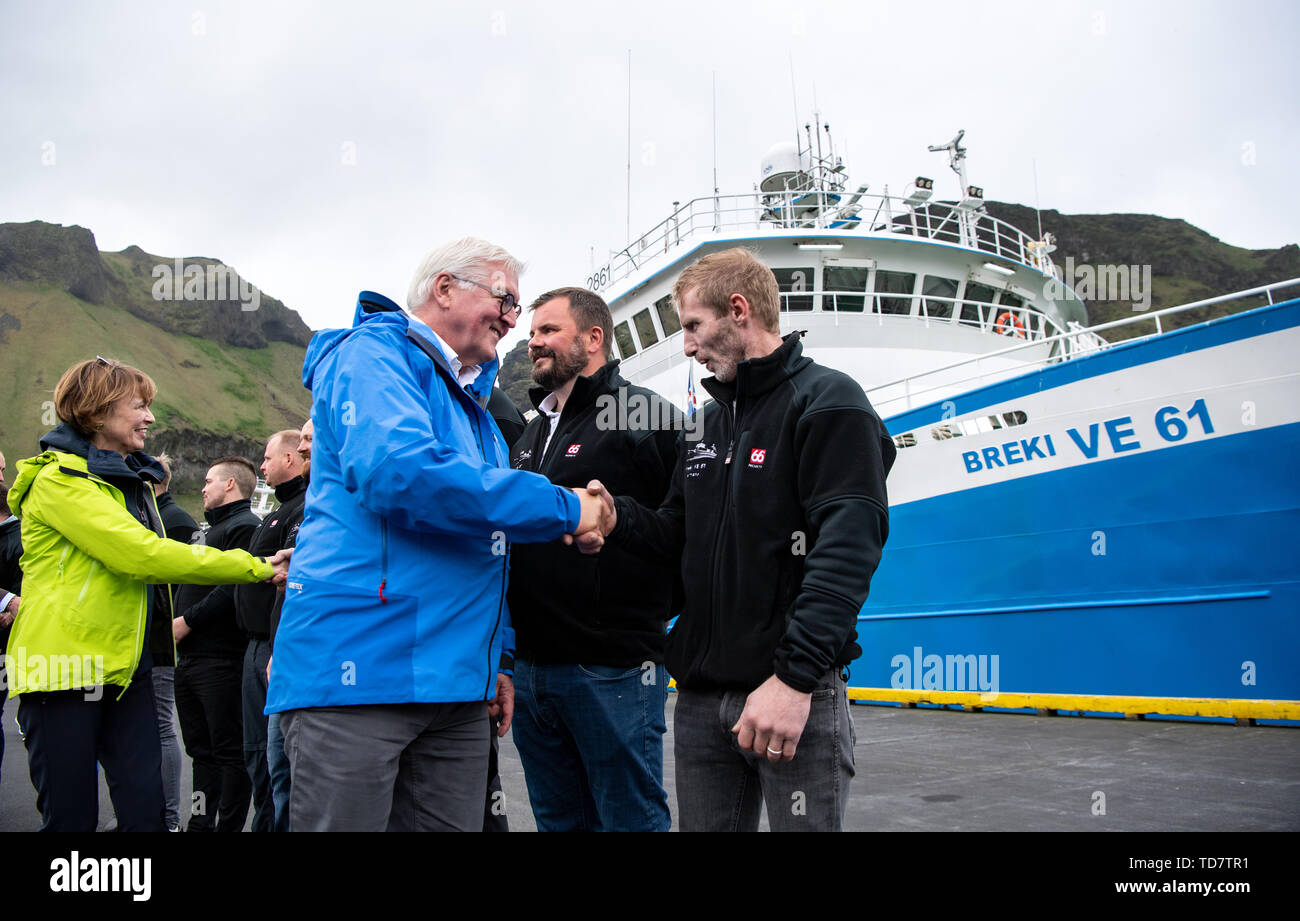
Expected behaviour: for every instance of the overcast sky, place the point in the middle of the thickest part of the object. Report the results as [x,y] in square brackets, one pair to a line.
[322,148]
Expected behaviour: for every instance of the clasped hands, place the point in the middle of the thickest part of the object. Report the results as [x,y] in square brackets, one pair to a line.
[598,518]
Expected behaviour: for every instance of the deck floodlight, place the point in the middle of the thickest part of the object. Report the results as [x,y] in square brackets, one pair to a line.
[973,200]
[919,192]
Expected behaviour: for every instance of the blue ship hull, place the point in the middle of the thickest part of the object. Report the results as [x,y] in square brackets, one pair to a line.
[1161,581]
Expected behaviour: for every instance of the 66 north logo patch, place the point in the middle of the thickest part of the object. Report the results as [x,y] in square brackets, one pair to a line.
[757,456]
[573,449]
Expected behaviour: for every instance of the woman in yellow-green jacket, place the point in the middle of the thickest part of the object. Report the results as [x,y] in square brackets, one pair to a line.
[78,654]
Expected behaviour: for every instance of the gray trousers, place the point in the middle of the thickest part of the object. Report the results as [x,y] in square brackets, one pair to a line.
[721,788]
[387,767]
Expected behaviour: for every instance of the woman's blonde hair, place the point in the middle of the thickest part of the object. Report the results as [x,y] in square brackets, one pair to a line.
[89,388]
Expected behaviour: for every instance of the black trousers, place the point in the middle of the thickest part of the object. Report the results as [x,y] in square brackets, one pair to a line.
[209,703]
[67,732]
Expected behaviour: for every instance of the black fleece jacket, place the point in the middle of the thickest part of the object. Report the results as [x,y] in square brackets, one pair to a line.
[180,527]
[210,611]
[254,602]
[779,513]
[609,609]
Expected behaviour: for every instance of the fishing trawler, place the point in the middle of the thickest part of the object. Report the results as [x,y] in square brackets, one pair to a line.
[1079,523]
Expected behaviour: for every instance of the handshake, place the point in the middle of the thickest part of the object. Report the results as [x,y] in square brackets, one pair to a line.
[598,518]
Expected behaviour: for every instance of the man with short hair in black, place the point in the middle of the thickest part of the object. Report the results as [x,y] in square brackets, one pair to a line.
[180,527]
[589,683]
[779,514]
[210,648]
[282,468]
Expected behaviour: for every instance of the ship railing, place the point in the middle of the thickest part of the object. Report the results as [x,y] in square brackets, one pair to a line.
[932,308]
[918,389]
[1038,326]
[821,210]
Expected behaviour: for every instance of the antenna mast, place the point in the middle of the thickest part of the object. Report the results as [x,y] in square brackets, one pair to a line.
[629,146]
[715,132]
[794,99]
[956,157]
[1037,210]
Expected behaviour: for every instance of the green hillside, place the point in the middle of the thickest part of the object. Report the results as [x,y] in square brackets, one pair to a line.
[214,398]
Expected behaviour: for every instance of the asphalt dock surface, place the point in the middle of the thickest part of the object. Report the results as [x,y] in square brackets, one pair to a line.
[942,770]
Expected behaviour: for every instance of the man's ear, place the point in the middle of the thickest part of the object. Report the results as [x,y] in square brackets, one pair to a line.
[598,340]
[438,293]
[738,308]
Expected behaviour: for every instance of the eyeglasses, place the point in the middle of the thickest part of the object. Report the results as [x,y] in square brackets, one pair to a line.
[506,301]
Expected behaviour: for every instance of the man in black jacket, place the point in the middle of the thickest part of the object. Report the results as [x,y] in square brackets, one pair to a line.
[778,514]
[589,683]
[210,646]
[180,527]
[282,469]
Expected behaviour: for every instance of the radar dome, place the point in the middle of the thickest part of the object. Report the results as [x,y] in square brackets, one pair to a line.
[781,167]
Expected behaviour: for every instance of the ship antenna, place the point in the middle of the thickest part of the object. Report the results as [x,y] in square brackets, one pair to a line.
[715,132]
[1037,210]
[629,146]
[717,208]
[794,99]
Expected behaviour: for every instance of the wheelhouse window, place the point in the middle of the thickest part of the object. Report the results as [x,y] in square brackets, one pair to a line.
[645,328]
[667,315]
[984,294]
[623,338]
[837,279]
[791,282]
[939,287]
[894,283]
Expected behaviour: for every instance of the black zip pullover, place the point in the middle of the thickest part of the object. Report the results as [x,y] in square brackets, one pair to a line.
[780,513]
[611,608]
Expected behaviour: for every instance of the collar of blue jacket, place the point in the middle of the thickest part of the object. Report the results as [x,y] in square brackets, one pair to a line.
[375,308]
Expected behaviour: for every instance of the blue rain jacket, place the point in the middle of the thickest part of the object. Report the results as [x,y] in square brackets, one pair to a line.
[396,592]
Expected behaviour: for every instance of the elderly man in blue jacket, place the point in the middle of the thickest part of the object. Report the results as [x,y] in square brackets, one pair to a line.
[395,642]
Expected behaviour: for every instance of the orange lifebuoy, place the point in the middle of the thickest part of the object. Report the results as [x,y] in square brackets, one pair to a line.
[1008,324]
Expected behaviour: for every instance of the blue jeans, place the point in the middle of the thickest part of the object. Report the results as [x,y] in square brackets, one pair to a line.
[256,658]
[277,762]
[721,788]
[591,741]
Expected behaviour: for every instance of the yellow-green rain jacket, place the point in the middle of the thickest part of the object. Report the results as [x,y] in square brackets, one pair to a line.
[87,563]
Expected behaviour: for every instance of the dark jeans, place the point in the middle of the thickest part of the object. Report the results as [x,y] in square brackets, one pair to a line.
[256,658]
[209,703]
[394,767]
[277,763]
[164,696]
[591,740]
[721,788]
[66,734]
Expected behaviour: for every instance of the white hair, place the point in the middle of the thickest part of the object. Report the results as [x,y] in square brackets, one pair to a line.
[468,257]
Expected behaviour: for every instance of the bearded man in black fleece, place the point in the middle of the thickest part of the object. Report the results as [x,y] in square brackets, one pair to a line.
[589,683]
[282,469]
[780,509]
